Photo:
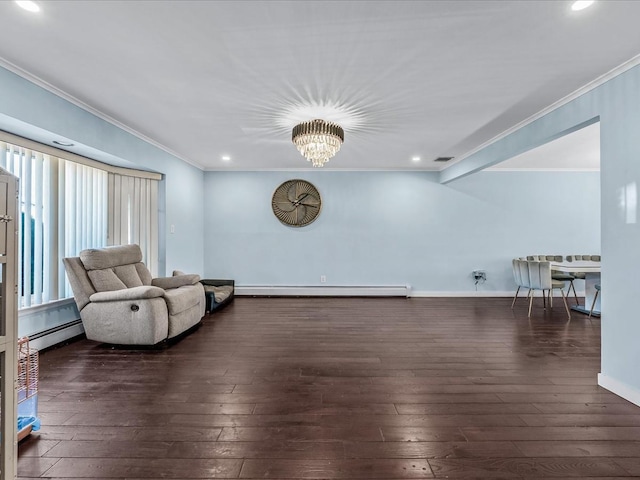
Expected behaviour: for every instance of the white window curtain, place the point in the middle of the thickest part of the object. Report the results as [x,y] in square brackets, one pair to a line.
[67,206]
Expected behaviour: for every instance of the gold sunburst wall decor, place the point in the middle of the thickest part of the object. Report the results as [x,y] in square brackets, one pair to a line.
[296,203]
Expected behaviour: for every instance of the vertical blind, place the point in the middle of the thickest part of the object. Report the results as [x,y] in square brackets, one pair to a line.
[66,207]
[133,215]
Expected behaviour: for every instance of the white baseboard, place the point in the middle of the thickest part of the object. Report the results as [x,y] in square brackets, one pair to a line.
[479,293]
[469,293]
[621,389]
[328,291]
[368,291]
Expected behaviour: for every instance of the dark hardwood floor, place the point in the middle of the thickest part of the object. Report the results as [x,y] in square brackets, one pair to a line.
[327,388]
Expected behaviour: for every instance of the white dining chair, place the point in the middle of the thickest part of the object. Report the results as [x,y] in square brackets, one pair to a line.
[556,275]
[518,278]
[522,276]
[540,279]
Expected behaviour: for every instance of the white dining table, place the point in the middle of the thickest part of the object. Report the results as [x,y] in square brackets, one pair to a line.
[592,278]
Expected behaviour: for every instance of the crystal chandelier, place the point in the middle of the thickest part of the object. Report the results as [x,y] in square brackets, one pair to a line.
[318,140]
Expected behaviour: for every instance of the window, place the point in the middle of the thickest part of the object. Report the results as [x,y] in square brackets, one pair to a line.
[67,206]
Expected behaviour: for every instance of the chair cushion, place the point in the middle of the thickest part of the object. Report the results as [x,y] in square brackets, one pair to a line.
[556,284]
[145,274]
[181,299]
[101,258]
[105,280]
[561,276]
[129,275]
[219,293]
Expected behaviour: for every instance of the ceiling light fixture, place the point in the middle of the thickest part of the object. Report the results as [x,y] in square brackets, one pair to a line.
[226,158]
[581,5]
[28,5]
[318,140]
[415,159]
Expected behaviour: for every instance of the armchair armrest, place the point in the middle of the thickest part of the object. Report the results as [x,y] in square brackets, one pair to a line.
[176,281]
[134,293]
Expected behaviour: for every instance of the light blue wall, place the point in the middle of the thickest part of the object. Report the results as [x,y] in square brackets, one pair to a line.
[28,110]
[398,228]
[617,104]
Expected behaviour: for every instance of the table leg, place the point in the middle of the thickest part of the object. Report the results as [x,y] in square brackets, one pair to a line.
[592,278]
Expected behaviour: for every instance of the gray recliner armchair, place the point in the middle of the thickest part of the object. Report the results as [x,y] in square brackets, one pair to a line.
[121,304]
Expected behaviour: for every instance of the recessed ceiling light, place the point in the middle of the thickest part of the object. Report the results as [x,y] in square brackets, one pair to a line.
[226,158]
[415,159]
[581,5]
[63,144]
[28,5]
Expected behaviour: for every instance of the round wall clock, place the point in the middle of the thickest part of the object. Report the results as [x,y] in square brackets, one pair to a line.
[296,203]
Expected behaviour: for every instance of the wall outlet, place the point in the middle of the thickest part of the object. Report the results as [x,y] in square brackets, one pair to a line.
[172,229]
[479,275]
[323,278]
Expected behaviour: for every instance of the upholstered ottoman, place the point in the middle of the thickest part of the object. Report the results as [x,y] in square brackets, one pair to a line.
[218,293]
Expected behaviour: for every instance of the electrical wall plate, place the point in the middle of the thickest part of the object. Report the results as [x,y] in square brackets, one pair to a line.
[479,275]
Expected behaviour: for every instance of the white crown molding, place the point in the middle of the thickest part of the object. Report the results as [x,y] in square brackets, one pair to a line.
[323,169]
[498,169]
[79,103]
[628,65]
[621,389]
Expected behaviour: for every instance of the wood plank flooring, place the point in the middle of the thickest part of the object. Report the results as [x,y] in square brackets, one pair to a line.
[340,388]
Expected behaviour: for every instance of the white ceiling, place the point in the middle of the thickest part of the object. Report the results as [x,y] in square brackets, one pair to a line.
[404,78]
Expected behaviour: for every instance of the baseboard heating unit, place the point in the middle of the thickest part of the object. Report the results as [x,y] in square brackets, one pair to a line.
[56,335]
[322,291]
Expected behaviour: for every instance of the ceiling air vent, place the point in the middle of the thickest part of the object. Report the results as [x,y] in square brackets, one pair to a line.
[443,159]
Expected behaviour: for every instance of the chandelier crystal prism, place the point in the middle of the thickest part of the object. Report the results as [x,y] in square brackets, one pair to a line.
[318,140]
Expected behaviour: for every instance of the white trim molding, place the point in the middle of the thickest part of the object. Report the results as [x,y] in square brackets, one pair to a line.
[327,291]
[369,291]
[479,293]
[461,293]
[621,389]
